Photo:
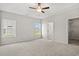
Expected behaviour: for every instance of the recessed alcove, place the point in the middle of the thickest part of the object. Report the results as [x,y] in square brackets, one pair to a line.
[73,31]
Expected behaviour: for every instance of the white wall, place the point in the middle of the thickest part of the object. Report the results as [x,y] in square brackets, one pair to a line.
[61,22]
[24,27]
[0,25]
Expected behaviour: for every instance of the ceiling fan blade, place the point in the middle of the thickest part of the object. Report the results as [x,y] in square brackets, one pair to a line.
[42,11]
[32,7]
[45,8]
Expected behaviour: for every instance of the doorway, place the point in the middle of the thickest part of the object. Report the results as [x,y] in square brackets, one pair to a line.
[47,30]
[73,31]
[8,31]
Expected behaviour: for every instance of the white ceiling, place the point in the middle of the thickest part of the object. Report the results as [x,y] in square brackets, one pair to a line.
[23,8]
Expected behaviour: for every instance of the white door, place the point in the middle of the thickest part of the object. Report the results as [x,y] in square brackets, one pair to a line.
[47,30]
[8,30]
[44,30]
[50,31]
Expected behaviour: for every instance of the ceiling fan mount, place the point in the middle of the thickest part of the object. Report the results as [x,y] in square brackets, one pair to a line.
[39,8]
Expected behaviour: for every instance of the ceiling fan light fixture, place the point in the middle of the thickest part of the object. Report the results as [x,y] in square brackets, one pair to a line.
[39,9]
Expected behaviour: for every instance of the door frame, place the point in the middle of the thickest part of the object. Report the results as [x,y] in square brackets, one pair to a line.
[69,27]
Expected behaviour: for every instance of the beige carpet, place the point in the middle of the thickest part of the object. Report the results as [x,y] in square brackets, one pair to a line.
[39,47]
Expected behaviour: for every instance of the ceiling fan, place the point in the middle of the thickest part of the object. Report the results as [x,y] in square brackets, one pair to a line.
[39,8]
